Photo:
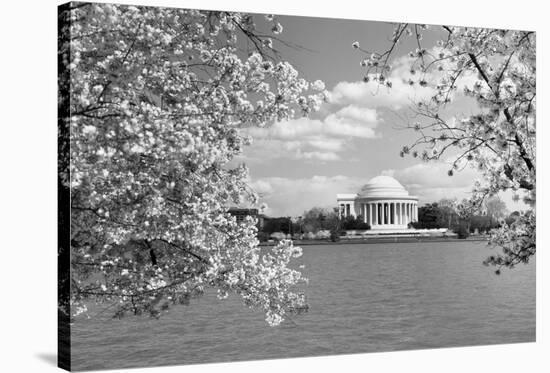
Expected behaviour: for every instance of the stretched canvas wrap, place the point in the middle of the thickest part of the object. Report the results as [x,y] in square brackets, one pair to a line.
[239,186]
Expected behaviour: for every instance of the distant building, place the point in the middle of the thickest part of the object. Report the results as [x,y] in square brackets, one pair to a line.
[241,213]
[383,203]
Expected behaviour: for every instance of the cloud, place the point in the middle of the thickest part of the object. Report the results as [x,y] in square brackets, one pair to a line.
[402,94]
[291,197]
[353,112]
[434,174]
[430,181]
[374,95]
[350,121]
[319,139]
[269,150]
[355,115]
[322,156]
[330,144]
[262,187]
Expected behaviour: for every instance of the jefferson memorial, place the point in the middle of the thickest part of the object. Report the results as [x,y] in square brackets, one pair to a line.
[383,203]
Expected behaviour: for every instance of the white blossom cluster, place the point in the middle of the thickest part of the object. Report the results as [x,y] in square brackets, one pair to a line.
[157,98]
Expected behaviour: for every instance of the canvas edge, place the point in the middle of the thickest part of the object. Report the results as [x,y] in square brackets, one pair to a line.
[63,188]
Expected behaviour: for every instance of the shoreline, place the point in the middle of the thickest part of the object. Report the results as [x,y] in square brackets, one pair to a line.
[378,240]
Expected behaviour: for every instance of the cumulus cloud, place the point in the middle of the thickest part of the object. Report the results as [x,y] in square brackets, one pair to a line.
[350,121]
[375,95]
[402,94]
[291,197]
[324,143]
[322,156]
[320,139]
[269,150]
[353,111]
[262,187]
[430,182]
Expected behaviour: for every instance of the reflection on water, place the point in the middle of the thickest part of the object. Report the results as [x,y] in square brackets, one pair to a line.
[363,298]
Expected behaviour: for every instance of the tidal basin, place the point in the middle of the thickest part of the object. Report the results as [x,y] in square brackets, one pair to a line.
[363,298]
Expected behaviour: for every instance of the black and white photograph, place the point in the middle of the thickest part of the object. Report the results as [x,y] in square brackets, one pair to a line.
[247,186]
[238,186]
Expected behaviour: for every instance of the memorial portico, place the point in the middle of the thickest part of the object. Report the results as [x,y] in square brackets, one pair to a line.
[383,203]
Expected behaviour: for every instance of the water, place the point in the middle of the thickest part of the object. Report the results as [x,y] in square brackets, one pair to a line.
[363,298]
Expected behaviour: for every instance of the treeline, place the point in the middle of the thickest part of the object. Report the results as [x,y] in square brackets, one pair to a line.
[444,214]
[324,223]
[317,223]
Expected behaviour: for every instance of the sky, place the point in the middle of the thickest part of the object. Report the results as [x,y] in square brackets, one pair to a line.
[303,163]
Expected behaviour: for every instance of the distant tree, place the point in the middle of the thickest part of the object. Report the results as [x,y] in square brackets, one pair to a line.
[354,223]
[497,137]
[444,214]
[277,224]
[462,230]
[335,235]
[483,223]
[496,208]
[263,236]
[334,224]
[319,218]
[430,216]
[448,211]
[297,228]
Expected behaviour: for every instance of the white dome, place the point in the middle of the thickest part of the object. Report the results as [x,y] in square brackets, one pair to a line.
[383,186]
